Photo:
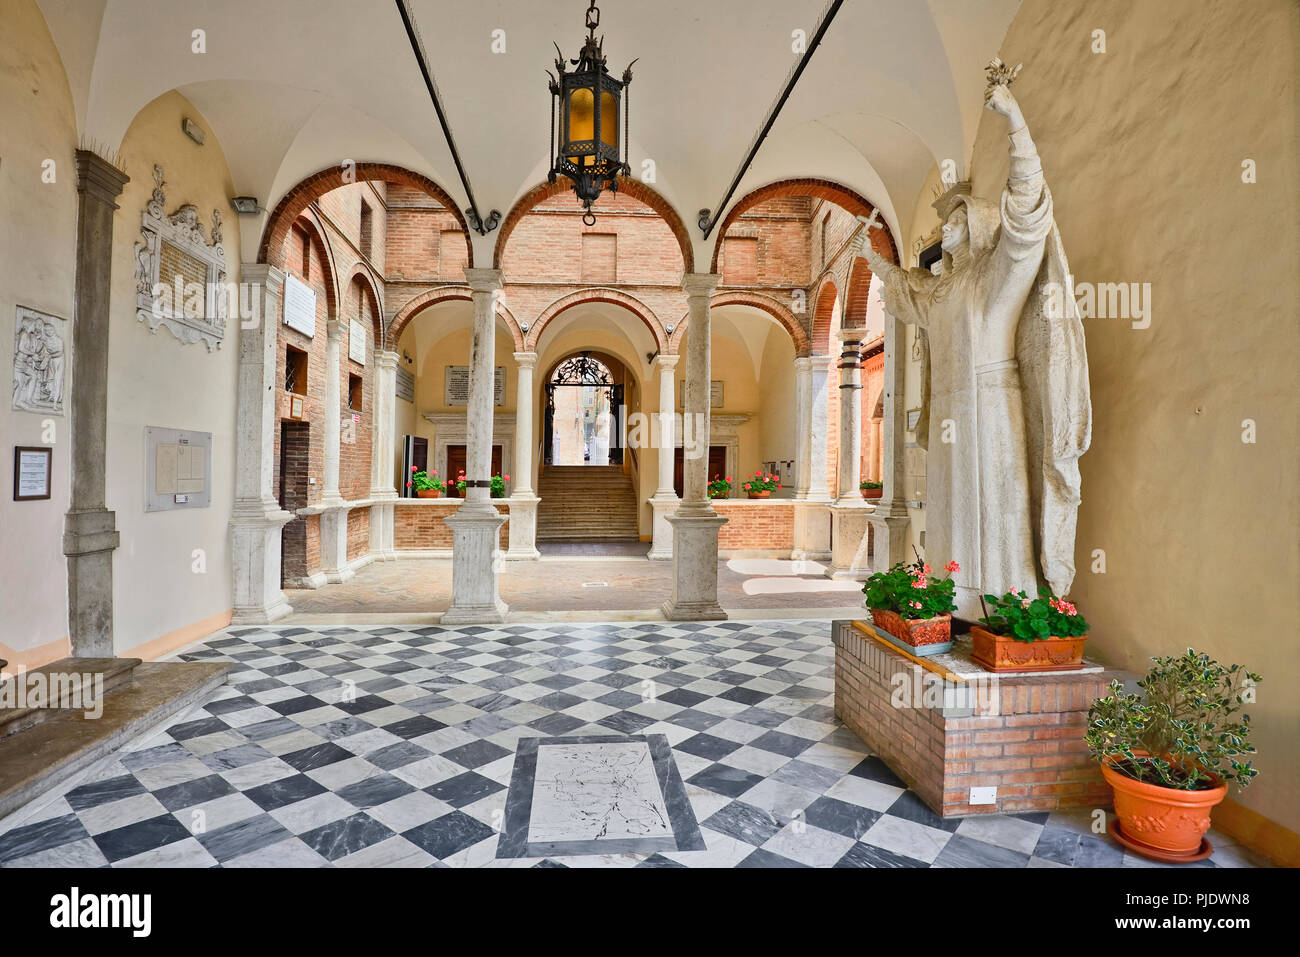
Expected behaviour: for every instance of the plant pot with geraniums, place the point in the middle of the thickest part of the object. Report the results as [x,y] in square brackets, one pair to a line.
[1020,633]
[760,485]
[910,608]
[871,489]
[498,485]
[720,487]
[426,484]
[1170,751]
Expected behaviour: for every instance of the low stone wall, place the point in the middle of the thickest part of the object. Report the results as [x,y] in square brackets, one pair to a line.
[1021,735]
[756,525]
[418,524]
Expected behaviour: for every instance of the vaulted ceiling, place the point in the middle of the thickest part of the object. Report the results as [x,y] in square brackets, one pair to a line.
[293,86]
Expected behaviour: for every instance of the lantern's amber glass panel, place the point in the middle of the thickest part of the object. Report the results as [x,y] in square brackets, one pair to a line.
[582,115]
[608,119]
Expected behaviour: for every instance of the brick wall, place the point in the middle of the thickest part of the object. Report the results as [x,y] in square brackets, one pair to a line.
[1030,747]
[420,524]
[782,232]
[358,533]
[755,524]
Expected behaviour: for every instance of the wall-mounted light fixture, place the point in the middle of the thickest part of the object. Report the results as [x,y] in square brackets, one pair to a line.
[192,130]
[669,329]
[523,327]
[245,205]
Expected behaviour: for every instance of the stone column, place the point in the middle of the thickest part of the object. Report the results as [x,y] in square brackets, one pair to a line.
[90,531]
[812,519]
[475,525]
[803,402]
[257,518]
[664,502]
[850,538]
[382,492]
[334,513]
[523,502]
[695,523]
[889,519]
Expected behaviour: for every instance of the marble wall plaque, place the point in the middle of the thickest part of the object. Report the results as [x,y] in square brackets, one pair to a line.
[178,469]
[715,394]
[457,386]
[914,475]
[357,342]
[41,362]
[299,306]
[405,385]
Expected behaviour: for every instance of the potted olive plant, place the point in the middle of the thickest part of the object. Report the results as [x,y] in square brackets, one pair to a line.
[1170,751]
[1029,634]
[910,608]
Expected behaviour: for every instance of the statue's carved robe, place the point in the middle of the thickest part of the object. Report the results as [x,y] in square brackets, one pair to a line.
[978,511]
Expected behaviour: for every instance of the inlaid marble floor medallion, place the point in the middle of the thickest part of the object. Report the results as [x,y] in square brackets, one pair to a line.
[597,794]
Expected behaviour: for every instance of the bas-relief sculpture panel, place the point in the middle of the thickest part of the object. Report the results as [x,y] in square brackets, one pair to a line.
[40,362]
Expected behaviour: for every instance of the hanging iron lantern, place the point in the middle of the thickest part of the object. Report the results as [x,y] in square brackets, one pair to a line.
[587,102]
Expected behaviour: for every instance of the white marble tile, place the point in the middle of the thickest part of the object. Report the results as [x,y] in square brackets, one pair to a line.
[809,845]
[394,852]
[314,812]
[864,792]
[1009,832]
[588,792]
[907,838]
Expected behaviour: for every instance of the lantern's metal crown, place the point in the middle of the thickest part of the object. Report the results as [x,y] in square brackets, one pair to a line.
[586,100]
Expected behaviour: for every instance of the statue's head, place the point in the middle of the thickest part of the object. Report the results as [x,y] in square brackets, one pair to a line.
[955,230]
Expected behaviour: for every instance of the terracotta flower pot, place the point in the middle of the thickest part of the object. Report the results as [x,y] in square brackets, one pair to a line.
[920,636]
[1160,822]
[428,493]
[764,494]
[1004,653]
[871,492]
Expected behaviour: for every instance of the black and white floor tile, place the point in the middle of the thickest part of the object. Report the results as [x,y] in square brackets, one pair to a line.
[574,744]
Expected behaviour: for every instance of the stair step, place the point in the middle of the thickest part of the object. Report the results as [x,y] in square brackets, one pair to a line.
[69,683]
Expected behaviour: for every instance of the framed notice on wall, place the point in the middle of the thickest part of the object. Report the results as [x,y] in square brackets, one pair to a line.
[31,473]
[405,385]
[178,469]
[457,386]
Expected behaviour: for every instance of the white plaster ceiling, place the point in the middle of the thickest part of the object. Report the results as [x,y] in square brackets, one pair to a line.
[293,86]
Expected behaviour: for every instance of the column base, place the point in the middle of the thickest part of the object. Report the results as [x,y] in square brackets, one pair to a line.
[661,547]
[334,544]
[523,528]
[695,566]
[889,528]
[475,528]
[89,538]
[381,525]
[850,537]
[812,530]
[255,559]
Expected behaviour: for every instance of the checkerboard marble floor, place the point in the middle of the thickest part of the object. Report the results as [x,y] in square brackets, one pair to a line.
[381,746]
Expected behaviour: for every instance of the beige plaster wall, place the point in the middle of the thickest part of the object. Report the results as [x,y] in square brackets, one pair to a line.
[37,241]
[1143,148]
[172,568]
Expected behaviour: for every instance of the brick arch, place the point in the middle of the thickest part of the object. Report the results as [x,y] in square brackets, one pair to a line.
[855,299]
[823,314]
[310,225]
[637,190]
[362,272]
[802,344]
[291,206]
[613,297]
[881,239]
[432,297]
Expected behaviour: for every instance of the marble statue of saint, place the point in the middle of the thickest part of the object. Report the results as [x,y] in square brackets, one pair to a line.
[1008,405]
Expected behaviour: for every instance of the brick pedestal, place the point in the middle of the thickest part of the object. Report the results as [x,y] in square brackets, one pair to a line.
[1022,734]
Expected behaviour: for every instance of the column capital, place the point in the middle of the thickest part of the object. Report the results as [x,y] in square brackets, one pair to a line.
[333,328]
[667,361]
[484,280]
[99,178]
[696,284]
[262,274]
[802,363]
[526,360]
[385,359]
[853,334]
[820,363]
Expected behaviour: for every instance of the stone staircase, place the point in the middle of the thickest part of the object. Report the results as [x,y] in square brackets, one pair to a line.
[586,503]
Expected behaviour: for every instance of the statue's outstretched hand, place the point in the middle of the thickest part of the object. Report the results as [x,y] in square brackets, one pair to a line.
[999,99]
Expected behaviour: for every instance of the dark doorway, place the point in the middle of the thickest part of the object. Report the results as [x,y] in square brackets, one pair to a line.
[415,458]
[295,447]
[717,466]
[456,464]
[584,372]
